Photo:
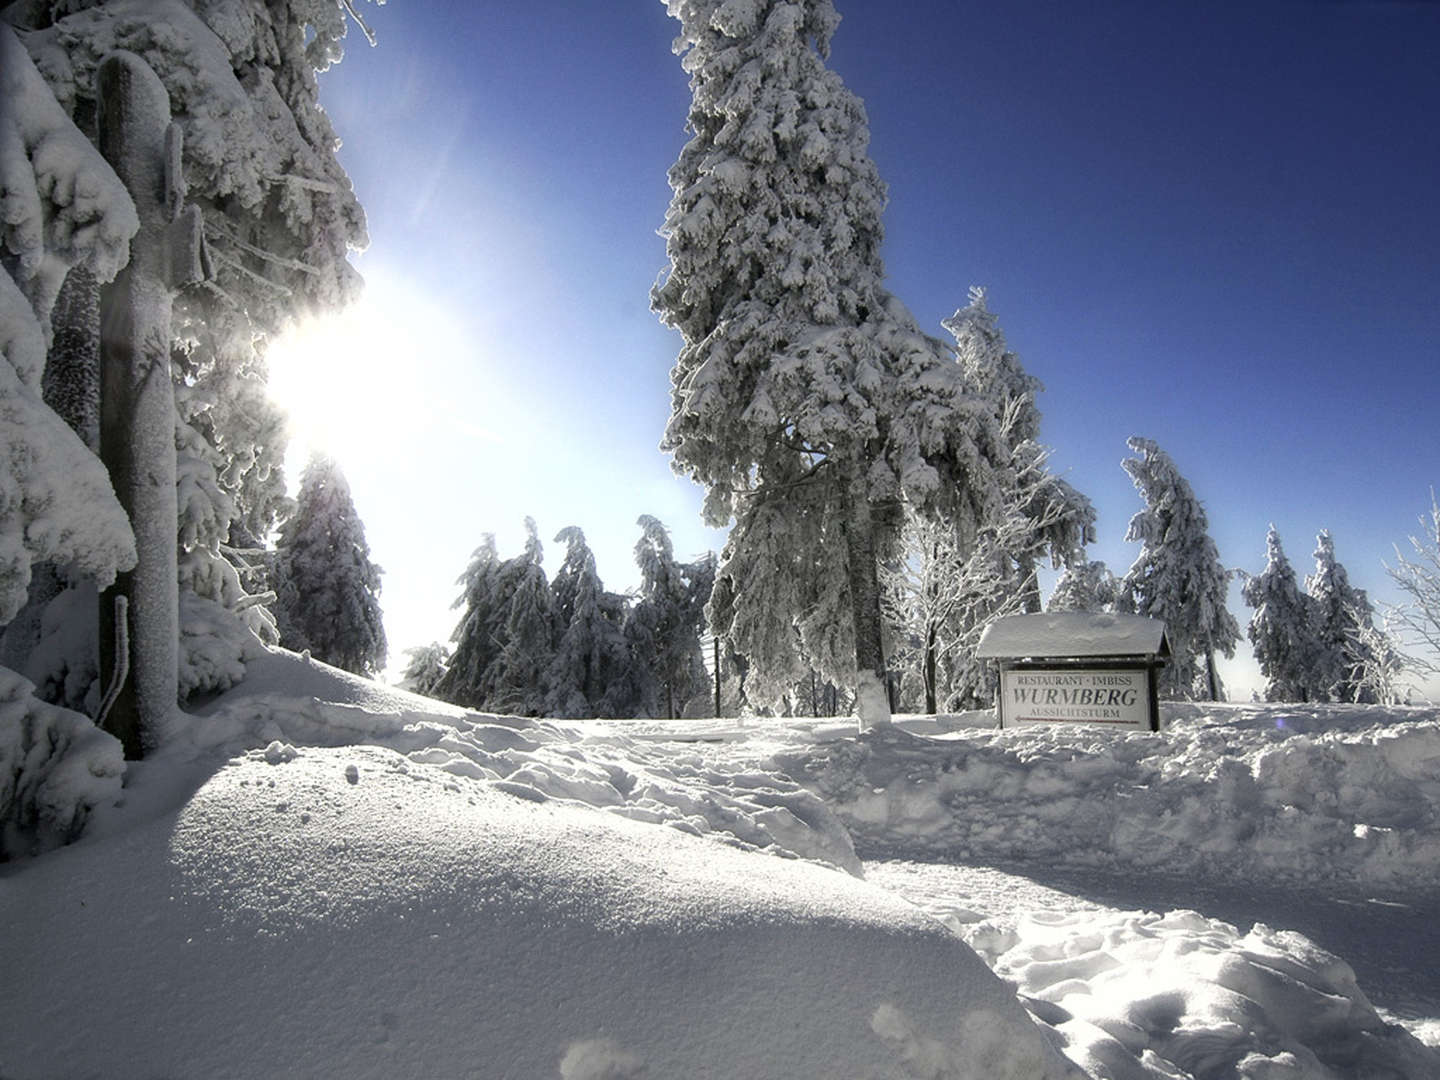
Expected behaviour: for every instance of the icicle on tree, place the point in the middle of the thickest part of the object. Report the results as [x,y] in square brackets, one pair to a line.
[1283,628]
[804,397]
[1177,576]
[329,589]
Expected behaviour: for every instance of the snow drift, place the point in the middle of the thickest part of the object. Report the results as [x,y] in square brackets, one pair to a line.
[348,912]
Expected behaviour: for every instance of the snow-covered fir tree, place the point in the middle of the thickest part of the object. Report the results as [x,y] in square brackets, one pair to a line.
[1084,586]
[424,668]
[479,634]
[1283,630]
[665,623]
[515,681]
[949,582]
[804,397]
[1177,576]
[1344,625]
[1062,519]
[590,667]
[329,589]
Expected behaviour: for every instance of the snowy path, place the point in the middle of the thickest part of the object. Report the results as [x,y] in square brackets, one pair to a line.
[1391,940]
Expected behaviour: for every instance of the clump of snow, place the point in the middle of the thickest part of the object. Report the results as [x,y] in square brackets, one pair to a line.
[60,202]
[56,767]
[214,646]
[1225,792]
[286,921]
[1139,993]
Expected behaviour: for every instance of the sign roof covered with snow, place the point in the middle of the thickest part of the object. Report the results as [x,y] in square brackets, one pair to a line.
[1073,633]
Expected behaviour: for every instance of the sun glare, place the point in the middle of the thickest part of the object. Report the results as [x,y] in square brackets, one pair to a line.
[354,383]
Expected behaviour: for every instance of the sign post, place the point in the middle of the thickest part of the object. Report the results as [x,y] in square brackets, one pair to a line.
[1077,668]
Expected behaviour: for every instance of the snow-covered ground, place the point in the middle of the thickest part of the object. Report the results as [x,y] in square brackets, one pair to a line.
[323,877]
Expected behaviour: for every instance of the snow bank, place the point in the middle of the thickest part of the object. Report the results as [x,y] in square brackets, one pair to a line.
[1322,794]
[290,700]
[56,767]
[351,912]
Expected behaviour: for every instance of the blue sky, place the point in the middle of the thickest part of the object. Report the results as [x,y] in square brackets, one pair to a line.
[1215,225]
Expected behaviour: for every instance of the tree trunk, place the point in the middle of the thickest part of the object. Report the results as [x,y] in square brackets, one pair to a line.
[871,702]
[137,409]
[932,705]
[1212,677]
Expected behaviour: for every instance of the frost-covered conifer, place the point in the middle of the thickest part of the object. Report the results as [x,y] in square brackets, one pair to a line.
[1344,619]
[479,635]
[1062,519]
[1177,576]
[592,656]
[425,668]
[665,622]
[515,681]
[329,589]
[804,398]
[1084,586]
[1283,628]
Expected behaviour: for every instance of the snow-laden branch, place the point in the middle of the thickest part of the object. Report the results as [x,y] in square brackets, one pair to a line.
[259,279]
[218,230]
[1417,620]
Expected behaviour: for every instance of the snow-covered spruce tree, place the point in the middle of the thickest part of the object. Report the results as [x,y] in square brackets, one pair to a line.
[804,397]
[1417,620]
[1085,586]
[591,655]
[665,623]
[425,668]
[1283,628]
[1344,619]
[329,589]
[1062,519]
[1177,576]
[515,681]
[479,635]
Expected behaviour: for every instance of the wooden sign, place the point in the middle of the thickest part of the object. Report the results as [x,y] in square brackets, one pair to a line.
[1115,697]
